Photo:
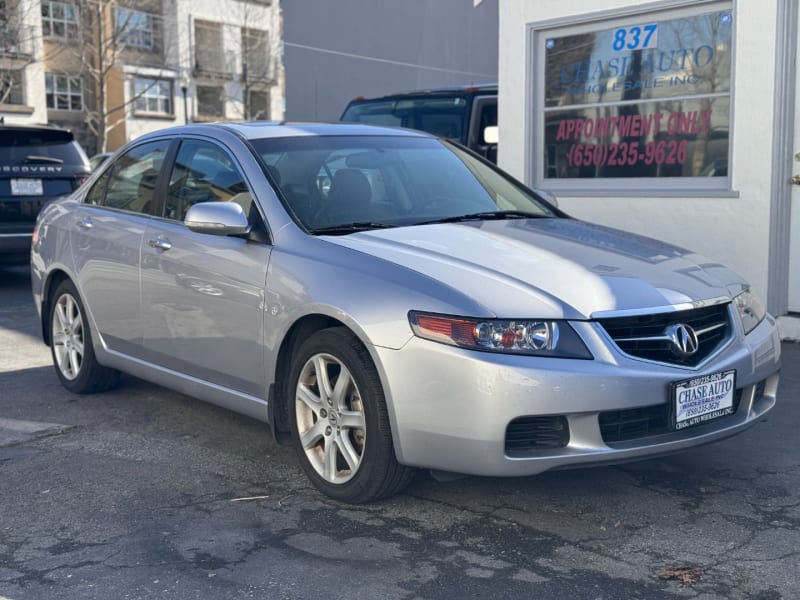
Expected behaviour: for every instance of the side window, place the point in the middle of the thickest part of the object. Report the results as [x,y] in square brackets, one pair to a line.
[488,118]
[97,193]
[130,182]
[204,172]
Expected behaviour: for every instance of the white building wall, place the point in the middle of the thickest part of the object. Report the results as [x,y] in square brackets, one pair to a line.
[732,229]
[232,14]
[29,14]
[179,17]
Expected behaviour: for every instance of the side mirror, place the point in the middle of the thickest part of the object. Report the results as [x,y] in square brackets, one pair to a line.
[491,134]
[217,218]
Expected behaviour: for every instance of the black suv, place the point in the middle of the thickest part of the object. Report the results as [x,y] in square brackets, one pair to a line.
[37,164]
[457,113]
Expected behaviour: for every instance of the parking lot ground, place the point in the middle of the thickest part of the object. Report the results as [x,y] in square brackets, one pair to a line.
[145,493]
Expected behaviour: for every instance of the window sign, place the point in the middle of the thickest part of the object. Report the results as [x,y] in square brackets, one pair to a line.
[644,100]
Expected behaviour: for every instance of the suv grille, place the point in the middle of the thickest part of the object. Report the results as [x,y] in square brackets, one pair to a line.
[648,336]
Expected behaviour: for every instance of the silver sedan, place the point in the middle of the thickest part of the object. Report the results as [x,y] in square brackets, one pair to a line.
[387,301]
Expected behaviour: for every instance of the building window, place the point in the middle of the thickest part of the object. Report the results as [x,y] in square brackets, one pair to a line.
[638,102]
[210,101]
[257,105]
[11,87]
[59,19]
[152,96]
[135,29]
[255,54]
[63,92]
[209,55]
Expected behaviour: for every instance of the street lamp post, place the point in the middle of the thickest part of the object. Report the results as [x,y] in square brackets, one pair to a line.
[185,88]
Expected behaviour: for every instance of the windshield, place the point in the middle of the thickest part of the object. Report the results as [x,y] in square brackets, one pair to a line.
[444,117]
[380,181]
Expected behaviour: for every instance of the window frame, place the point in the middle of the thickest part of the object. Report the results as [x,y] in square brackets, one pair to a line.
[202,148]
[222,96]
[267,105]
[48,21]
[125,31]
[17,84]
[148,96]
[534,144]
[69,93]
[110,171]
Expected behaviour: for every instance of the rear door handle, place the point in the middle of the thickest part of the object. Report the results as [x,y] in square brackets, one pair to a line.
[85,223]
[160,244]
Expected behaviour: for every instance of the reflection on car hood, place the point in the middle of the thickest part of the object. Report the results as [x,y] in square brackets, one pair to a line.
[550,267]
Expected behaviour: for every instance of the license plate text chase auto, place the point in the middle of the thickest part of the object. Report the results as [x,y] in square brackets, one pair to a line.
[703,398]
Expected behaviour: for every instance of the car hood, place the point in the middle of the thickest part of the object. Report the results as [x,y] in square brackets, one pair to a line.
[550,267]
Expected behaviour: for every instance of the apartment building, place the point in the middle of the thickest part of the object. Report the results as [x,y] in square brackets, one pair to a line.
[111,70]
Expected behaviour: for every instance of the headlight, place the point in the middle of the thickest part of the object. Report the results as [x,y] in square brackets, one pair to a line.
[751,311]
[526,336]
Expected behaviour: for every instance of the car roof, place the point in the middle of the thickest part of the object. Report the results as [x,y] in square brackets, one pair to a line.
[269,129]
[31,127]
[481,88]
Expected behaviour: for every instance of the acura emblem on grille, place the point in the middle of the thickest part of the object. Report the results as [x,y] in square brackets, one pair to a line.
[684,339]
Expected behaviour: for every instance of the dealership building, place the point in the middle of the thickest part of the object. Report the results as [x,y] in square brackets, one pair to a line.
[676,119]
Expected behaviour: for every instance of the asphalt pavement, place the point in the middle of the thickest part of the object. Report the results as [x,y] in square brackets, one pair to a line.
[145,493]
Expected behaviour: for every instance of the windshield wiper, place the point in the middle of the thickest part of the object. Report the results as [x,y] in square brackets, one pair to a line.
[495,215]
[42,159]
[346,228]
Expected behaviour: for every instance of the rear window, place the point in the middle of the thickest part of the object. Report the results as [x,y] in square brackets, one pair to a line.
[442,116]
[19,147]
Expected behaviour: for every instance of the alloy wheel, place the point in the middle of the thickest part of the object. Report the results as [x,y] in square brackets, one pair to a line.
[330,418]
[68,336]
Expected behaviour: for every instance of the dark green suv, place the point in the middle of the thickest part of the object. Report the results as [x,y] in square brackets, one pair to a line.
[37,164]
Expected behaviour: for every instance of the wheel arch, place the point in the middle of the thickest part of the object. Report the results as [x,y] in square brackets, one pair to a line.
[54,278]
[300,331]
[303,328]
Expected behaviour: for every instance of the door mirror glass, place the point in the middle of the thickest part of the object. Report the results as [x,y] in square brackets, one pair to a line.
[217,218]
[491,134]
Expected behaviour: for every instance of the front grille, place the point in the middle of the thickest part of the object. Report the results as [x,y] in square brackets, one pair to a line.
[536,433]
[645,336]
[634,423]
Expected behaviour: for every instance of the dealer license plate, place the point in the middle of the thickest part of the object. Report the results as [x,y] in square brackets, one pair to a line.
[26,187]
[703,398]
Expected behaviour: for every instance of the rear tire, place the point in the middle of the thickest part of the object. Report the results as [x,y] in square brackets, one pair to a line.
[71,345]
[339,421]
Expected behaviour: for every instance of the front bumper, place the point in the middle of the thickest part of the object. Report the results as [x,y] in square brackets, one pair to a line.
[450,408]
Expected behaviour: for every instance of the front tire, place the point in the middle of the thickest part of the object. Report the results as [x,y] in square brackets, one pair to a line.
[71,345]
[339,421]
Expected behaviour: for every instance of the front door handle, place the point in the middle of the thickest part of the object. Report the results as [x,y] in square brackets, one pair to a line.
[160,244]
[796,179]
[85,223]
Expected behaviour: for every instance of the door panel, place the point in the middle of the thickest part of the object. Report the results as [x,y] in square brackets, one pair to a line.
[106,239]
[203,304]
[202,294]
[106,247]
